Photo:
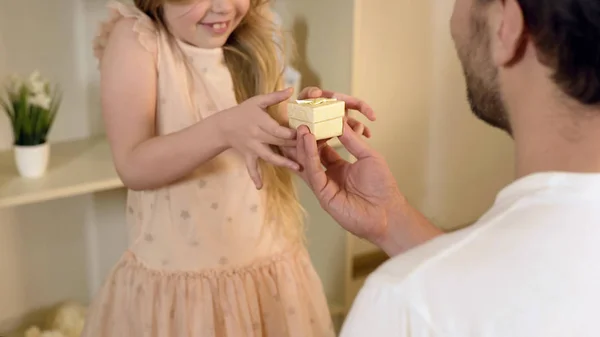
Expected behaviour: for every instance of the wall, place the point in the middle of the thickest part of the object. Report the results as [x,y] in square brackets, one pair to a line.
[63,249]
[392,72]
[323,34]
[396,55]
[47,250]
[447,163]
[468,160]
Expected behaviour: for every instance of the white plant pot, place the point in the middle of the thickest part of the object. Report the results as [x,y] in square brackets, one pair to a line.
[32,161]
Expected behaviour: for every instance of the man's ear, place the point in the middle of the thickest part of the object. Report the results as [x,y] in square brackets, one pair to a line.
[508,32]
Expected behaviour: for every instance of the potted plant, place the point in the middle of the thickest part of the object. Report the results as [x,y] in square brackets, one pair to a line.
[31,106]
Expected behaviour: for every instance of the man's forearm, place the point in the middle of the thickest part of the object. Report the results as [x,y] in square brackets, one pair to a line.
[406,229]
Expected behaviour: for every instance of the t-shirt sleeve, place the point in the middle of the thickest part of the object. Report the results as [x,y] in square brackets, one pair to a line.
[382,309]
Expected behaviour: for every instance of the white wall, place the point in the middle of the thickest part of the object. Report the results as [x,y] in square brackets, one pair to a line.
[43,246]
[397,55]
[5,135]
[62,249]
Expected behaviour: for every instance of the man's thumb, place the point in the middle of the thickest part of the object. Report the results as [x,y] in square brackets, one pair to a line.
[265,101]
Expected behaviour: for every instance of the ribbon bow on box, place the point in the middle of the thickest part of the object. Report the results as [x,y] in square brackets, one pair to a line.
[315,101]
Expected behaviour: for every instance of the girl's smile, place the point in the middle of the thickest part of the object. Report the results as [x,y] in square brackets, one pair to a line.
[205,23]
[217,28]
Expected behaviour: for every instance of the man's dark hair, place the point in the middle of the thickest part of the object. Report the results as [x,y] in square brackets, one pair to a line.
[566,34]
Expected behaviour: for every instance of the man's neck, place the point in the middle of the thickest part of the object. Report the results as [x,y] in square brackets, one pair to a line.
[551,135]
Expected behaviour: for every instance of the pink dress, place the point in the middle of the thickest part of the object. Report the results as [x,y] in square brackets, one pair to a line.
[201,261]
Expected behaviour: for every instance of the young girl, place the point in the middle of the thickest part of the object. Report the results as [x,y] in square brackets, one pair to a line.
[207,256]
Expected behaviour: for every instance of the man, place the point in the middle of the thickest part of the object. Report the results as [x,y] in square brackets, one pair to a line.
[529,267]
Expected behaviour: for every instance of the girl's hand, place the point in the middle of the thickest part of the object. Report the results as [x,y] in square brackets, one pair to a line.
[249,129]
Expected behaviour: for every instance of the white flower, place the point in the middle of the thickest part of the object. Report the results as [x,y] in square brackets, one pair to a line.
[14,84]
[36,83]
[33,331]
[41,100]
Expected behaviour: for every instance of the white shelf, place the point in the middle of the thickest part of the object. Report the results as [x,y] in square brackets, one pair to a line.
[76,167]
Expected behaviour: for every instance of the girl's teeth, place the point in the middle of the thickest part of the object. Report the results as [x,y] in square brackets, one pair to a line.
[219,25]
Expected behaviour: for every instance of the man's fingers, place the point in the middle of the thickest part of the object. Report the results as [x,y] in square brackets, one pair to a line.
[328,155]
[354,143]
[308,155]
[357,127]
[310,92]
[265,101]
[360,129]
[290,152]
[367,133]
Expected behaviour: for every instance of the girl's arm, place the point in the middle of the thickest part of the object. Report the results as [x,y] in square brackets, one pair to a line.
[128,85]
[143,160]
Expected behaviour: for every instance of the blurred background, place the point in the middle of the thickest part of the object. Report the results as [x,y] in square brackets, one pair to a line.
[61,234]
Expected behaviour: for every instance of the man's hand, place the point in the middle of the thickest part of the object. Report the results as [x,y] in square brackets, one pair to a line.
[359,196]
[362,196]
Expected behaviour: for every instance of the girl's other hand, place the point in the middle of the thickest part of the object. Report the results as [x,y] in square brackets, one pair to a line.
[249,129]
[352,103]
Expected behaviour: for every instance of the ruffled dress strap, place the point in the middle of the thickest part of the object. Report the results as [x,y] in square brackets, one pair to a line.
[144,27]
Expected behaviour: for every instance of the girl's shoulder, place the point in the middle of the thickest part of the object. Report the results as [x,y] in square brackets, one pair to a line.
[132,23]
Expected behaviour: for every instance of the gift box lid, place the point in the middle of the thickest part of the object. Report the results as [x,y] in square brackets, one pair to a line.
[316,110]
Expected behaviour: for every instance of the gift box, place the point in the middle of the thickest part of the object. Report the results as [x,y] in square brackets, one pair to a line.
[323,116]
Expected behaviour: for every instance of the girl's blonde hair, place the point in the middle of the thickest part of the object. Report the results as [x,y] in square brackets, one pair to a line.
[254,55]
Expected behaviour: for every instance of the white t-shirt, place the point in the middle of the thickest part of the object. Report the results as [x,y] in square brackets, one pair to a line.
[530,267]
